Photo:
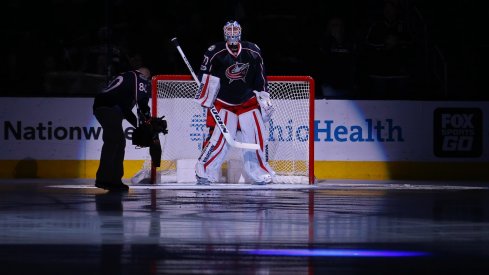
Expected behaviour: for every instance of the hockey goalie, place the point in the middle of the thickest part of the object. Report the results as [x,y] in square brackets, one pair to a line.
[233,79]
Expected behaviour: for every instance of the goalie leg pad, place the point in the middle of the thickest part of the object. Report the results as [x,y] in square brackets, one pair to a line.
[208,90]
[255,161]
[215,151]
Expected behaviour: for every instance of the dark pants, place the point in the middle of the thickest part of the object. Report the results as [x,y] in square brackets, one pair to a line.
[111,167]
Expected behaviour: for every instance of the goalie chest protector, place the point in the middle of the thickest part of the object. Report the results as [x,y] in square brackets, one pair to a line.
[239,75]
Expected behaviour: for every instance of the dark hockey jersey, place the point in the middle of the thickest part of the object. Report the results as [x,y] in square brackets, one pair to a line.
[121,92]
[239,74]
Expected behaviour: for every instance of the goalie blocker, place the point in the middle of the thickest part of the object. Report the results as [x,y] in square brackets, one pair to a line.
[208,91]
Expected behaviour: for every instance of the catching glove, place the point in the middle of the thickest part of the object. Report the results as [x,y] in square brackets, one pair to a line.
[266,106]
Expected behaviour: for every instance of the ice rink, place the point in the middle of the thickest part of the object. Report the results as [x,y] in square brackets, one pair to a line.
[334,227]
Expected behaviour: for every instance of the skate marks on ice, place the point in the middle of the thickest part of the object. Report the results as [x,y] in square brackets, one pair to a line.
[321,185]
[192,186]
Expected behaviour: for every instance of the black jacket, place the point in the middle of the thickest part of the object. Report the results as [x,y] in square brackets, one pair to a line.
[122,91]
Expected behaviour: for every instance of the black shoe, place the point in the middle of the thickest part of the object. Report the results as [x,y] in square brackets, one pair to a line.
[112,186]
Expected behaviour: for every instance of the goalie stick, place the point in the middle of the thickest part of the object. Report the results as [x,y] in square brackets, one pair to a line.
[215,113]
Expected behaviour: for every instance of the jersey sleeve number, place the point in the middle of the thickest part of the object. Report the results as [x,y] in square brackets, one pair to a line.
[142,87]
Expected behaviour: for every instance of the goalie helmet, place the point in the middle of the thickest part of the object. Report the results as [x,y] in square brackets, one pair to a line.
[232,32]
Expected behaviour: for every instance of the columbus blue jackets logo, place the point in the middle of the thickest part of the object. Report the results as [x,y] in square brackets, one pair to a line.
[237,71]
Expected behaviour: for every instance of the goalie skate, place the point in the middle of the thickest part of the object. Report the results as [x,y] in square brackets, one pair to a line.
[142,177]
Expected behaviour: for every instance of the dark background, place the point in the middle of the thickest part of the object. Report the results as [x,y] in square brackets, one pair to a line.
[59,47]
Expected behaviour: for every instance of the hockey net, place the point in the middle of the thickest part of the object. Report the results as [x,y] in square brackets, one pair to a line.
[290,132]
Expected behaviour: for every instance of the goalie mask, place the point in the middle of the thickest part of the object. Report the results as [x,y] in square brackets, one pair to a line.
[232,32]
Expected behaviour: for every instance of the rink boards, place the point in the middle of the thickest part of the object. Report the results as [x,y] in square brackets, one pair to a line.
[353,139]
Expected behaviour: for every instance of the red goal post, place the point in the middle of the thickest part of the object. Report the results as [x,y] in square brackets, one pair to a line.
[290,132]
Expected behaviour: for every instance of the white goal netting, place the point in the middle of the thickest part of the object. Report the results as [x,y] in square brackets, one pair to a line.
[289,132]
